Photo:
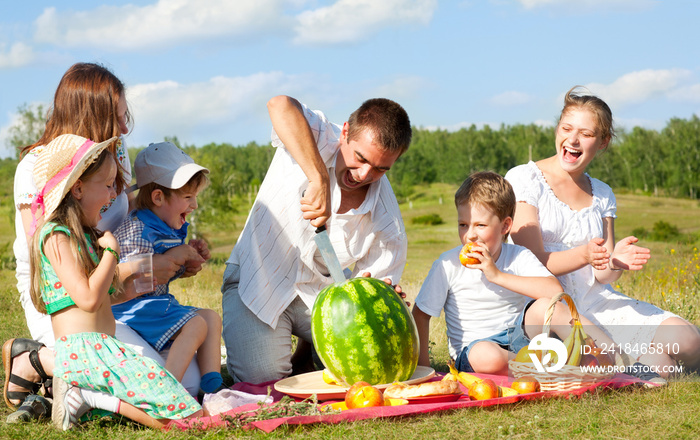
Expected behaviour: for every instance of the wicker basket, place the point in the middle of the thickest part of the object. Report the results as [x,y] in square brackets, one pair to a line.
[568,377]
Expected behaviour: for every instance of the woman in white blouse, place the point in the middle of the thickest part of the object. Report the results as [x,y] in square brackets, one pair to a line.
[567,219]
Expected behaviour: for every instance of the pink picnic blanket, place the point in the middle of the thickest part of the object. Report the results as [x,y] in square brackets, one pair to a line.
[218,421]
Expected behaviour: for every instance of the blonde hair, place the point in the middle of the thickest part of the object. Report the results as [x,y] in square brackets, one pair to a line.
[578,97]
[490,190]
[69,214]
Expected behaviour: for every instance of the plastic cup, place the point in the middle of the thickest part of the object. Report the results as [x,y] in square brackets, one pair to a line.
[142,267]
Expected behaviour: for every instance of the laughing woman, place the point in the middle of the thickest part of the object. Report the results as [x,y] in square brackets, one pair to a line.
[566,218]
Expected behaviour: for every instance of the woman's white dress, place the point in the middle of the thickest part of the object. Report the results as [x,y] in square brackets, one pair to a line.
[624,319]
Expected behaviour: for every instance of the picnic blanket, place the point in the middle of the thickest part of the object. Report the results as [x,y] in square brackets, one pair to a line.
[219,420]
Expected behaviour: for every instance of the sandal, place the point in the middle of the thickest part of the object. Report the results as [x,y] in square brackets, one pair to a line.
[10,350]
[34,407]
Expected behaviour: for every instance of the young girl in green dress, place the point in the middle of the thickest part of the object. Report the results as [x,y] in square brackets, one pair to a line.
[73,276]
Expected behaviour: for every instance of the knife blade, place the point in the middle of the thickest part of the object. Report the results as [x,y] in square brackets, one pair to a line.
[323,242]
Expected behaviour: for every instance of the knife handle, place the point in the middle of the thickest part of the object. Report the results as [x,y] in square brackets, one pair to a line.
[320,228]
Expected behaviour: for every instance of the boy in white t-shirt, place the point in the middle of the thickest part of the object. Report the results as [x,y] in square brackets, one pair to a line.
[485,303]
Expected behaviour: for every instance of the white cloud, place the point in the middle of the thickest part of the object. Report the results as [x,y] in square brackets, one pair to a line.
[630,123]
[544,122]
[529,4]
[401,88]
[233,109]
[510,99]
[165,22]
[641,86]
[349,21]
[17,55]
[689,93]
[209,111]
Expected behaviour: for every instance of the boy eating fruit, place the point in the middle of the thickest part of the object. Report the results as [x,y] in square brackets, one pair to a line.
[486,298]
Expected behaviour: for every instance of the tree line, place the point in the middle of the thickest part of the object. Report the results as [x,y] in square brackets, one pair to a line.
[665,162]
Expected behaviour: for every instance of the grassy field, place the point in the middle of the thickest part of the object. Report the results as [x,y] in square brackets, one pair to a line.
[671,280]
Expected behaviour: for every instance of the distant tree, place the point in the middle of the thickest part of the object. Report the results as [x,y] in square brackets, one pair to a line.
[28,129]
[235,174]
[173,140]
[7,173]
[644,149]
[683,143]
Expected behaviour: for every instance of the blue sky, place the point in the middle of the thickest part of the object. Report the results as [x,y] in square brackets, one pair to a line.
[202,70]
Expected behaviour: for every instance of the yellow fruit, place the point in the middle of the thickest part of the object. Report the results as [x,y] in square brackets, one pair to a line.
[362,395]
[553,359]
[453,370]
[467,379]
[463,258]
[463,377]
[526,384]
[569,343]
[329,378]
[575,355]
[506,392]
[483,389]
[524,355]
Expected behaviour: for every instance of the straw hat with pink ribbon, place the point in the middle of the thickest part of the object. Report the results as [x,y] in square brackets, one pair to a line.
[59,166]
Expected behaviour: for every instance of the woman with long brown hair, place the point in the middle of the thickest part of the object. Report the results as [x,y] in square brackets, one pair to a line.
[90,101]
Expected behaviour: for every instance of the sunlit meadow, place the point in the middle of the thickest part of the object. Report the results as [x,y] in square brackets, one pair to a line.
[671,280]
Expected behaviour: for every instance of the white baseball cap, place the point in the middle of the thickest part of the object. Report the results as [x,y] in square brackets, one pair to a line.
[166,165]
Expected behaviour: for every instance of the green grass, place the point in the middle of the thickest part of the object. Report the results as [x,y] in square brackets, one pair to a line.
[671,280]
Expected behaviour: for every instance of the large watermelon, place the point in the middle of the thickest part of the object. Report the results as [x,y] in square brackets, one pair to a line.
[363,330]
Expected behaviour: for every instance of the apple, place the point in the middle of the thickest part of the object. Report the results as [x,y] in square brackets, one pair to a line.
[463,258]
[526,384]
[589,360]
[605,360]
[354,389]
[362,394]
[483,389]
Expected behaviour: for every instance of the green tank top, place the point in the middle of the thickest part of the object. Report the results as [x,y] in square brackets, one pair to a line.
[53,293]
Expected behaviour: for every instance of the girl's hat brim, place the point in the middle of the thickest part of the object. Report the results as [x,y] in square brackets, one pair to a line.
[60,165]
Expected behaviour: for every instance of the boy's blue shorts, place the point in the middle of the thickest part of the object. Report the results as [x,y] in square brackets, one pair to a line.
[511,339]
[156,318]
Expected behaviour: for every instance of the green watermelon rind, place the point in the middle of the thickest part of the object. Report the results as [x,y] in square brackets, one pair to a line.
[376,343]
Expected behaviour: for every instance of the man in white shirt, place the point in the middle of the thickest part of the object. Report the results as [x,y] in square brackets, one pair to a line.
[322,173]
